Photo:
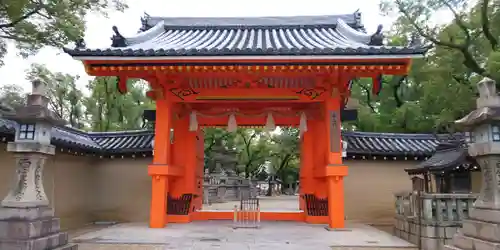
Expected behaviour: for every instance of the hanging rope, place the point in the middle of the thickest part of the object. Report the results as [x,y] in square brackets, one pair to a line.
[302,124]
[270,125]
[232,126]
[193,121]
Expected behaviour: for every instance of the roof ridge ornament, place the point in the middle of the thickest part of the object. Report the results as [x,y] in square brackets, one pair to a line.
[118,40]
[80,44]
[377,39]
[144,21]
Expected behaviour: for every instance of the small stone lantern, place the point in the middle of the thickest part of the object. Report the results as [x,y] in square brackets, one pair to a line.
[483,137]
[26,220]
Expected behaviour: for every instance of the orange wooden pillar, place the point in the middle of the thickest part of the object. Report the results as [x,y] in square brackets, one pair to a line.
[335,170]
[190,169]
[200,166]
[306,165]
[160,168]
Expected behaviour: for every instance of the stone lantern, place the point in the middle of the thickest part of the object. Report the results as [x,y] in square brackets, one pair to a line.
[480,231]
[26,220]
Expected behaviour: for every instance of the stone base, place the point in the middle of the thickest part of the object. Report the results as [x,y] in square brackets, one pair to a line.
[489,215]
[477,234]
[430,235]
[31,229]
[33,213]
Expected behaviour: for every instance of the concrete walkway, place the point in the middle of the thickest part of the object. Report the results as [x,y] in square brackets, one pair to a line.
[273,203]
[220,235]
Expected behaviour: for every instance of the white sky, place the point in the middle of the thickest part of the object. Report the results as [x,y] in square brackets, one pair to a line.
[99,28]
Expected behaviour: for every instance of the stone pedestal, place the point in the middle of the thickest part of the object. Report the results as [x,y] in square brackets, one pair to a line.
[482,230]
[32,229]
[26,220]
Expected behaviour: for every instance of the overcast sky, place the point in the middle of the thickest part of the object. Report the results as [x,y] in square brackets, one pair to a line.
[99,28]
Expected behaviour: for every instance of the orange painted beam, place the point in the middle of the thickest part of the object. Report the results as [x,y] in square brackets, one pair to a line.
[167,170]
[248,121]
[190,95]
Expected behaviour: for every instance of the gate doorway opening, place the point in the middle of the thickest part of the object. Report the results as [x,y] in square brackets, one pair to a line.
[259,162]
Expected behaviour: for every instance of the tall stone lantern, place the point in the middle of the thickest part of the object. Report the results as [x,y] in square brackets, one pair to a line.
[482,229]
[27,221]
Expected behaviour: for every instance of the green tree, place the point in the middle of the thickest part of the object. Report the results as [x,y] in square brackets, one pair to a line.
[253,151]
[284,157]
[12,96]
[108,110]
[64,97]
[32,24]
[440,88]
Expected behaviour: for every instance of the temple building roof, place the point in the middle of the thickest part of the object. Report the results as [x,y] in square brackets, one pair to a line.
[334,35]
[361,145]
[448,156]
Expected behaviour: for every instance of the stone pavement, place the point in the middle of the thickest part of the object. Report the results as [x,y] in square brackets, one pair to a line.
[220,235]
[273,203]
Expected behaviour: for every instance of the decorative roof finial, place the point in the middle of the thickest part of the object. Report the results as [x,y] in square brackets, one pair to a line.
[80,44]
[144,20]
[377,39]
[117,39]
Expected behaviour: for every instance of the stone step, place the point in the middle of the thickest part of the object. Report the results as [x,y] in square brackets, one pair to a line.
[481,230]
[463,242]
[43,243]
[489,215]
[450,247]
[469,243]
[67,247]
[14,230]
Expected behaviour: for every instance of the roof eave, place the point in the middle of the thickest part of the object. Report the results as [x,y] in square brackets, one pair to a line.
[244,57]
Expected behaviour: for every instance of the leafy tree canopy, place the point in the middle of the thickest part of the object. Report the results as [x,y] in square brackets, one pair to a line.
[32,24]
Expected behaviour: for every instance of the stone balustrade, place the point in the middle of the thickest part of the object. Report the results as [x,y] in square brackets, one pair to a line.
[433,218]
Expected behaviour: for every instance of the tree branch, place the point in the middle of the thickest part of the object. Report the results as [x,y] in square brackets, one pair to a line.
[368,98]
[460,23]
[469,60]
[21,18]
[485,24]
[395,90]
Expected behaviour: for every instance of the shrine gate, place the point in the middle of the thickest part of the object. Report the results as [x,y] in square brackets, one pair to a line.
[288,71]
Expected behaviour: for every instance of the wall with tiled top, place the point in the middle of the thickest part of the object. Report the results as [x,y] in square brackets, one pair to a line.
[86,189]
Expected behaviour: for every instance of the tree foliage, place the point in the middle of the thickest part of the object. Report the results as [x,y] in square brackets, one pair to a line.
[440,87]
[32,24]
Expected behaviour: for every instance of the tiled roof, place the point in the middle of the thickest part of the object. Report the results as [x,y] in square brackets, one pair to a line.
[126,142]
[447,156]
[252,36]
[392,144]
[61,136]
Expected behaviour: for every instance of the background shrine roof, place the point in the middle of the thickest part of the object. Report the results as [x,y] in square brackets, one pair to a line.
[136,142]
[448,156]
[334,35]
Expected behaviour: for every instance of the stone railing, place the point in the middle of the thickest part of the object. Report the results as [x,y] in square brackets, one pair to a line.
[432,218]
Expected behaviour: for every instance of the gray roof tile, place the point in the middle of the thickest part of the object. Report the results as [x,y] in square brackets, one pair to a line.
[254,36]
[125,142]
